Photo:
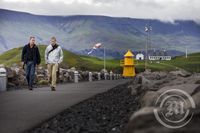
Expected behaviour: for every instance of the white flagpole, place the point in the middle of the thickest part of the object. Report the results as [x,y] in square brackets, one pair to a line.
[186,53]
[104,57]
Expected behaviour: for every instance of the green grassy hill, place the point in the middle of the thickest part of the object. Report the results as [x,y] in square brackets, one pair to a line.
[191,64]
[70,60]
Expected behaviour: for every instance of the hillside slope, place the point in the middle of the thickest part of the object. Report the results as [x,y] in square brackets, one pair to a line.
[191,64]
[70,60]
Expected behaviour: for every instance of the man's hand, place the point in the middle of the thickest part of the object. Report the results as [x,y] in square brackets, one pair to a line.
[23,65]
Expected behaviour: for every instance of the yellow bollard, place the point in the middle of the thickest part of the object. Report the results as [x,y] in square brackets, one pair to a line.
[128,65]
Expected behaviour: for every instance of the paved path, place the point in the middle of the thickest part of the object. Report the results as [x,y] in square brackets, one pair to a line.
[23,109]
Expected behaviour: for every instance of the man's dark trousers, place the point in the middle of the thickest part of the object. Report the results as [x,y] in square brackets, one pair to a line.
[30,73]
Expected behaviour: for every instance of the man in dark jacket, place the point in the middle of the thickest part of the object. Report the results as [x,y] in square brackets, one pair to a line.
[30,59]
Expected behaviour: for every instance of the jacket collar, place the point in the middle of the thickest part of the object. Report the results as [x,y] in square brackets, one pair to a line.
[55,46]
[33,45]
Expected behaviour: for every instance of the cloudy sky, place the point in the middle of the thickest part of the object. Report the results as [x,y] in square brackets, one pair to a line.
[166,10]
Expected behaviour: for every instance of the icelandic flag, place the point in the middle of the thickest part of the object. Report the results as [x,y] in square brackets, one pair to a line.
[96,46]
[146,29]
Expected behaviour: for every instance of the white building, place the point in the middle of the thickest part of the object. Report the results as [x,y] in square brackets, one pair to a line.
[139,56]
[160,57]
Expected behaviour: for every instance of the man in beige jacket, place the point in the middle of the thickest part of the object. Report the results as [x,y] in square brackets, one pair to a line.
[53,57]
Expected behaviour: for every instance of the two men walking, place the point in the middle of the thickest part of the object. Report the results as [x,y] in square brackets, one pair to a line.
[31,59]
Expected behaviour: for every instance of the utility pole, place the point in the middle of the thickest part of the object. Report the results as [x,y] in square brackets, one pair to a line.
[104,58]
[148,30]
[186,53]
[146,52]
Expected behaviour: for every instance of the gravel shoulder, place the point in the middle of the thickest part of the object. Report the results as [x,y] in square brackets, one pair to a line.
[108,112]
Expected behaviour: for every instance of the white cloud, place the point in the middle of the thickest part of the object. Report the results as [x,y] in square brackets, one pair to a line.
[22,1]
[165,10]
[89,2]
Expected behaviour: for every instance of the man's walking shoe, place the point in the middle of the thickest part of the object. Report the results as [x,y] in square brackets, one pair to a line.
[30,88]
[53,88]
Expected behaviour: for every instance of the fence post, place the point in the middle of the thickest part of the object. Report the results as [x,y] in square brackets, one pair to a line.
[99,76]
[90,76]
[111,75]
[76,76]
[3,79]
[105,75]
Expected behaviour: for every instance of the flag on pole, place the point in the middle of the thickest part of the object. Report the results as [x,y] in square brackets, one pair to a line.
[146,29]
[96,46]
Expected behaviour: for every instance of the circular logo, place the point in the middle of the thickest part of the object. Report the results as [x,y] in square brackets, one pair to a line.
[173,108]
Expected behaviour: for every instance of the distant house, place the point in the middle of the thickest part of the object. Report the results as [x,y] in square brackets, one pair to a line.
[140,56]
[160,55]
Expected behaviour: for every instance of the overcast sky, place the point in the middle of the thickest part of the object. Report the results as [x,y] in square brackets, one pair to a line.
[166,10]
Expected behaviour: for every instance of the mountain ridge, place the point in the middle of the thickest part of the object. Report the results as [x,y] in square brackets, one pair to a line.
[81,32]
